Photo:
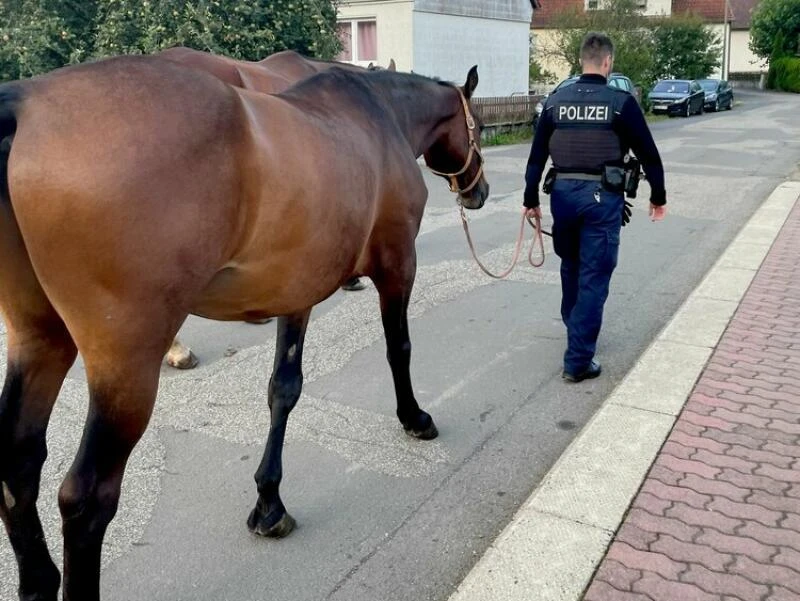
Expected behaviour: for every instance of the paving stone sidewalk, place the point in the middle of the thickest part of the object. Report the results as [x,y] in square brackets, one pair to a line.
[718,516]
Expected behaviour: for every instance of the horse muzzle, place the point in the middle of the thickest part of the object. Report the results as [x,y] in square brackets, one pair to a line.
[476,197]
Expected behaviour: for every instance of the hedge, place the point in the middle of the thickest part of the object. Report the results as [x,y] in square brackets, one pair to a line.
[784,74]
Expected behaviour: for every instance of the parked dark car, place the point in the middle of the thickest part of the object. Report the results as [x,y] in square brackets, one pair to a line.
[677,97]
[719,94]
[615,80]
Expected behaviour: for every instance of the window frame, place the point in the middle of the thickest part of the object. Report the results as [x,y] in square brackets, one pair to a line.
[354,50]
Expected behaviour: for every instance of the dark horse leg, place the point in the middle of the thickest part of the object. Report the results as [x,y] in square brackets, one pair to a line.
[269,518]
[122,390]
[40,353]
[394,286]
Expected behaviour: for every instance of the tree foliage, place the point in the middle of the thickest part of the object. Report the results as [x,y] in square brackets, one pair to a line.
[784,74]
[622,21]
[40,35]
[646,49]
[683,47]
[775,28]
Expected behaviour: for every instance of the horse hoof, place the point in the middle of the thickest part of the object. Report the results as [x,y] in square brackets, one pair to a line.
[48,581]
[424,430]
[260,527]
[184,361]
[354,285]
[39,597]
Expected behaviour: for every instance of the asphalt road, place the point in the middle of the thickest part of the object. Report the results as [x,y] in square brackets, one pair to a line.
[381,516]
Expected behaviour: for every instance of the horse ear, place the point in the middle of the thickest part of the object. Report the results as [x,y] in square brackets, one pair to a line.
[472,81]
[392,66]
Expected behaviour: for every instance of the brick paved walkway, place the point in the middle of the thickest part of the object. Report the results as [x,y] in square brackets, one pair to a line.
[718,516]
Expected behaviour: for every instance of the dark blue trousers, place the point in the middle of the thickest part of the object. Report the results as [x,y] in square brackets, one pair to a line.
[586,228]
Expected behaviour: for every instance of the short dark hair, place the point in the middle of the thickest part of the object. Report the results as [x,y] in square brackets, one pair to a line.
[595,47]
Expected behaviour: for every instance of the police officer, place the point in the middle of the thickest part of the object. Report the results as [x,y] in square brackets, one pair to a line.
[587,129]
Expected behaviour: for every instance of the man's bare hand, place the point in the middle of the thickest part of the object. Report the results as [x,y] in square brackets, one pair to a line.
[532,213]
[657,213]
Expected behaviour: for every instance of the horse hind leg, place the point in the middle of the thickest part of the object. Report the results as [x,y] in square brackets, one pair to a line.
[121,398]
[269,518]
[40,352]
[394,284]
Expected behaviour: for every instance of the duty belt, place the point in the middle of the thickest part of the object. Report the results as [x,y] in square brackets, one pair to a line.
[589,177]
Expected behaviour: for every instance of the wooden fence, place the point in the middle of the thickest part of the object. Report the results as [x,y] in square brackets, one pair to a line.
[506,110]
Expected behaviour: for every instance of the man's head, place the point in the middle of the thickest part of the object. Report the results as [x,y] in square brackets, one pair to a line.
[597,54]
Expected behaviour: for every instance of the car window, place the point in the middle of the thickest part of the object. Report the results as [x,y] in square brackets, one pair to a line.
[623,84]
[565,83]
[672,87]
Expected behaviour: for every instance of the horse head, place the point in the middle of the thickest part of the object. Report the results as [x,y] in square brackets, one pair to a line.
[456,153]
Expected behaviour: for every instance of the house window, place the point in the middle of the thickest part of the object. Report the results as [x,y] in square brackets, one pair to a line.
[591,4]
[641,3]
[359,41]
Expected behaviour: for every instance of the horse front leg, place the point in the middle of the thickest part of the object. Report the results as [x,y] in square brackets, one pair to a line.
[269,517]
[394,284]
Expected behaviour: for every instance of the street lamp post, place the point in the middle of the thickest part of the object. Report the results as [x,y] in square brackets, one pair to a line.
[726,43]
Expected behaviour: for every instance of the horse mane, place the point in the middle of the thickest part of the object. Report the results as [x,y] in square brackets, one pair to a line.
[332,79]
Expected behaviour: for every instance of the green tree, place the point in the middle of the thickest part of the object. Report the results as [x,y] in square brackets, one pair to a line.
[244,29]
[40,35]
[37,36]
[683,47]
[775,28]
[622,20]
[538,74]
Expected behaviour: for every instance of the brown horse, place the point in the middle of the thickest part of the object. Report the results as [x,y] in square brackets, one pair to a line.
[271,75]
[133,192]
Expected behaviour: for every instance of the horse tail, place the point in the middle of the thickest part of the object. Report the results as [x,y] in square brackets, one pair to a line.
[10,97]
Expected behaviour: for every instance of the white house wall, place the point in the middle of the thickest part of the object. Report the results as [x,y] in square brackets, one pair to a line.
[658,8]
[543,44]
[742,58]
[510,10]
[394,21]
[447,46]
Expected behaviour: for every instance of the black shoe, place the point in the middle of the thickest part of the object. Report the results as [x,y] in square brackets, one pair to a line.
[590,372]
[353,285]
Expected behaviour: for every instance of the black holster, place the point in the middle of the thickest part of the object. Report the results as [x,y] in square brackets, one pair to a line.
[613,179]
[549,179]
[633,173]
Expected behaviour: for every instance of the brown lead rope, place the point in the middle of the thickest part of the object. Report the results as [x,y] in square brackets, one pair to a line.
[537,238]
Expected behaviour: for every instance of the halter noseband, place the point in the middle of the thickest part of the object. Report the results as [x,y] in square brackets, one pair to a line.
[473,150]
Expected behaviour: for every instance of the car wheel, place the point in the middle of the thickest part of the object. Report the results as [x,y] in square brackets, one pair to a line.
[701,109]
[688,111]
[717,106]
[730,103]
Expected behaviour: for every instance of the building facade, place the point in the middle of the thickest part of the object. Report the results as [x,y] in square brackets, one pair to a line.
[443,38]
